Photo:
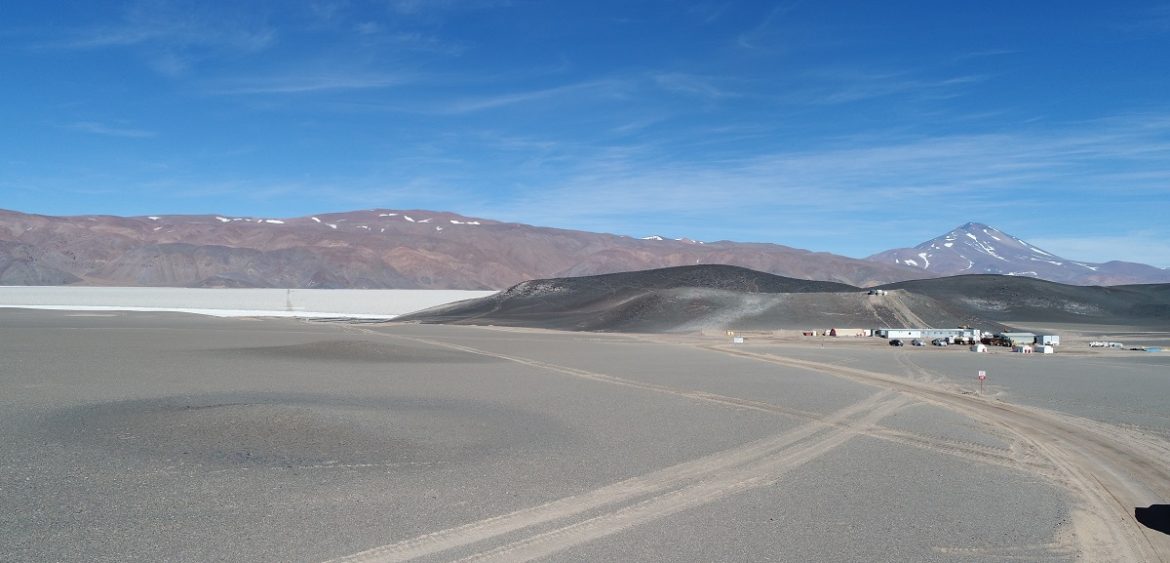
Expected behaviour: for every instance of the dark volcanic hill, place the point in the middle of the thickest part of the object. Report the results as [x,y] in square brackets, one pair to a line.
[644,301]
[1014,299]
[365,249]
[975,248]
[692,298]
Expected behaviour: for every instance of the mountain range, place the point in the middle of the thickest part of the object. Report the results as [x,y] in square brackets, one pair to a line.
[416,249]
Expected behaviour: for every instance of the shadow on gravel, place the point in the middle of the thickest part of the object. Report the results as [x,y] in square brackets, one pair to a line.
[303,430]
[1154,517]
[357,351]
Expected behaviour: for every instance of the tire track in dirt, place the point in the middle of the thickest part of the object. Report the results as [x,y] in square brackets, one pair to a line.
[614,380]
[1108,470]
[903,312]
[914,369]
[649,484]
[670,478]
[761,473]
[935,443]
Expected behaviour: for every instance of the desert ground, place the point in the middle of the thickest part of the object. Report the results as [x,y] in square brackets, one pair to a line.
[150,436]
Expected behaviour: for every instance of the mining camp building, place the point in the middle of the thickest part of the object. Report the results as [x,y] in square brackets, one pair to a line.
[951,333]
[1019,338]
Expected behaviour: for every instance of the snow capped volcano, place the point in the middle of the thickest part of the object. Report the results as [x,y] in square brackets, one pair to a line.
[976,248]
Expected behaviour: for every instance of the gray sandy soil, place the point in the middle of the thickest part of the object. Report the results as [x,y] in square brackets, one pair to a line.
[838,508]
[157,437]
[1130,389]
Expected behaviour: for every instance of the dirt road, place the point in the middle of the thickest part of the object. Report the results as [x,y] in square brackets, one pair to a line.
[1107,470]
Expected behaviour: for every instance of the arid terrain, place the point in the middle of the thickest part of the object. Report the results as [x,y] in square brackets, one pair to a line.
[368,249]
[418,249]
[156,436]
[712,297]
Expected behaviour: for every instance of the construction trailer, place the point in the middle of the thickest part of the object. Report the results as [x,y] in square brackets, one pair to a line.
[952,335]
[850,332]
[1018,338]
[899,332]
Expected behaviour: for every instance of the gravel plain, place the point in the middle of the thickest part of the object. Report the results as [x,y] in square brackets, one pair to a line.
[1120,387]
[167,437]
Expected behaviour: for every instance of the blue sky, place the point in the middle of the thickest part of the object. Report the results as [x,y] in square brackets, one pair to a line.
[848,127]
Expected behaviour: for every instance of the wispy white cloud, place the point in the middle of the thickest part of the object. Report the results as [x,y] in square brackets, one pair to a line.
[309,81]
[425,43]
[637,124]
[172,24]
[1145,21]
[595,88]
[864,180]
[691,84]
[173,35]
[1143,247]
[367,28]
[986,53]
[753,38]
[846,85]
[432,7]
[98,128]
[708,12]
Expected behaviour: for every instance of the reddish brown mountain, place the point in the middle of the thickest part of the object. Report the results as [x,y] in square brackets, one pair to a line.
[367,249]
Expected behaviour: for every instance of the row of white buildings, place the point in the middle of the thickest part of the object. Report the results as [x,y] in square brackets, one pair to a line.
[964,334]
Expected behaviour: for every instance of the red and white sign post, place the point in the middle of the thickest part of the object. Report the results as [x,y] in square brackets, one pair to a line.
[982,376]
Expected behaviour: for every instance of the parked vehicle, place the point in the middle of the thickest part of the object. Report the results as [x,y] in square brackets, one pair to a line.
[896,342]
[916,342]
[939,342]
